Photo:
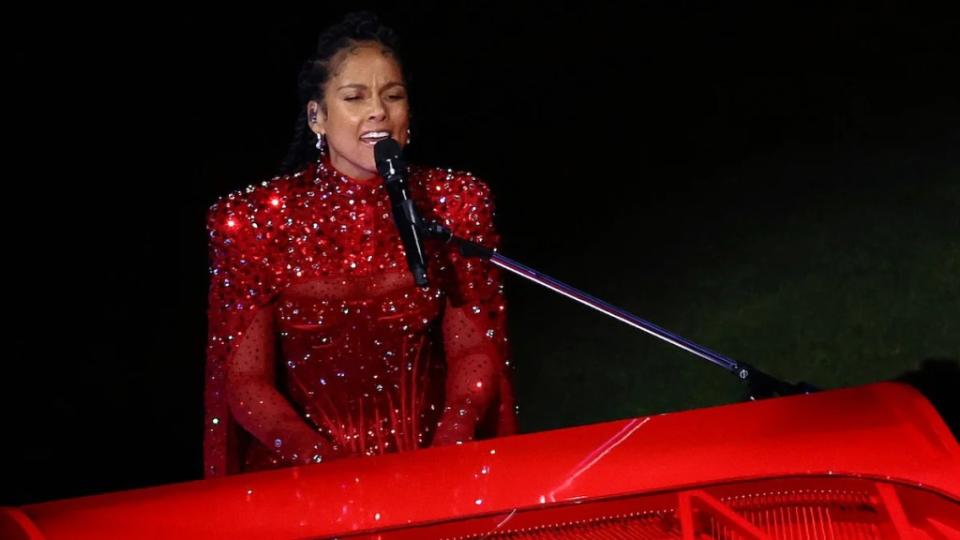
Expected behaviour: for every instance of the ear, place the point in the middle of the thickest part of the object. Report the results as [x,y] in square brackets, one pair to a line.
[316,118]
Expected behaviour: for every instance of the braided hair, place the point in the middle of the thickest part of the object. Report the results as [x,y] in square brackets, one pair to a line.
[363,26]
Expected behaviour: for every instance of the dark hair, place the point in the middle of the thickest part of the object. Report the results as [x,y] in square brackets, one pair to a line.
[353,28]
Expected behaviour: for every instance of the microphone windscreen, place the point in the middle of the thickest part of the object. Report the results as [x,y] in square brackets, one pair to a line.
[386,149]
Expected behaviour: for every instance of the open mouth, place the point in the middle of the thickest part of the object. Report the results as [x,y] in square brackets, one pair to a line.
[373,137]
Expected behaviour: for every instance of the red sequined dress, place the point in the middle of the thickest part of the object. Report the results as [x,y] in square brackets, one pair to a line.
[320,344]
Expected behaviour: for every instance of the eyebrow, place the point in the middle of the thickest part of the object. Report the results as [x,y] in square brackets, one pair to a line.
[364,87]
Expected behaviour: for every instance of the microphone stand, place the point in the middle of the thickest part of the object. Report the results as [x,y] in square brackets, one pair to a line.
[760,385]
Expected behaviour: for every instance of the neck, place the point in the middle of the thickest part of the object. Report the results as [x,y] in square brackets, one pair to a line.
[361,177]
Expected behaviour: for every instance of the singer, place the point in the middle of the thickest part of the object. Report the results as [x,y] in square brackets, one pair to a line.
[320,344]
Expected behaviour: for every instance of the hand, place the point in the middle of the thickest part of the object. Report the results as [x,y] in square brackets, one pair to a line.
[455,428]
[314,448]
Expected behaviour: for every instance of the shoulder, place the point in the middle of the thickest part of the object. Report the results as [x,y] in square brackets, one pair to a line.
[452,187]
[232,212]
[459,200]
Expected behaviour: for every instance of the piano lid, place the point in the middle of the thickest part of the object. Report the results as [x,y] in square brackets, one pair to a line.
[886,432]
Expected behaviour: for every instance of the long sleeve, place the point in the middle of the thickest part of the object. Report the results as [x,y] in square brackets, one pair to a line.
[474,323]
[240,389]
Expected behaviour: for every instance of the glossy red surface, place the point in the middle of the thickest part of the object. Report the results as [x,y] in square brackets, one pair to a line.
[884,432]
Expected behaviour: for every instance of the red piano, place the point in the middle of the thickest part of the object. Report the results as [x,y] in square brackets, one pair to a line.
[869,462]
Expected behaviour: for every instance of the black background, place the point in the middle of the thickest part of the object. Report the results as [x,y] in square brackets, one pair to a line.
[637,156]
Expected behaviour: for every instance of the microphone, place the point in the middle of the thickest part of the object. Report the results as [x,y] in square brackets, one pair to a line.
[393,169]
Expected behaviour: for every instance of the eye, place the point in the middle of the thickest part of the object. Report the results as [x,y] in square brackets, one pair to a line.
[351,98]
[396,97]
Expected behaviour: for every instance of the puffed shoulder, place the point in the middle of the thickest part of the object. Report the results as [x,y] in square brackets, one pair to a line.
[462,202]
[241,206]
[442,182]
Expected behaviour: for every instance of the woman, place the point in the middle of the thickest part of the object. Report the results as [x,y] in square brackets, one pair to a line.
[320,344]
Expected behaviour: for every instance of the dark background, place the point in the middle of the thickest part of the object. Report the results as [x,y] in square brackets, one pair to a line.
[780,185]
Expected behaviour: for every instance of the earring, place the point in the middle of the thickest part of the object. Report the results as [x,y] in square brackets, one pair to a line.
[409,140]
[320,144]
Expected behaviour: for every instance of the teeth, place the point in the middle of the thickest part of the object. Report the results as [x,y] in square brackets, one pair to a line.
[375,135]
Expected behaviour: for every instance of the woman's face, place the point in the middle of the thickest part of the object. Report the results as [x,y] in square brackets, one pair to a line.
[365,101]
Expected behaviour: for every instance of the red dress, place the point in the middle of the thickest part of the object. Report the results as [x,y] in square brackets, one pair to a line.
[308,274]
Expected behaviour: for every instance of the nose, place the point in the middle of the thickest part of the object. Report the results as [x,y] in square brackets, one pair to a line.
[377,111]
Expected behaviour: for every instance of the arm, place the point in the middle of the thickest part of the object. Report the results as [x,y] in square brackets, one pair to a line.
[259,407]
[239,385]
[475,372]
[474,325]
